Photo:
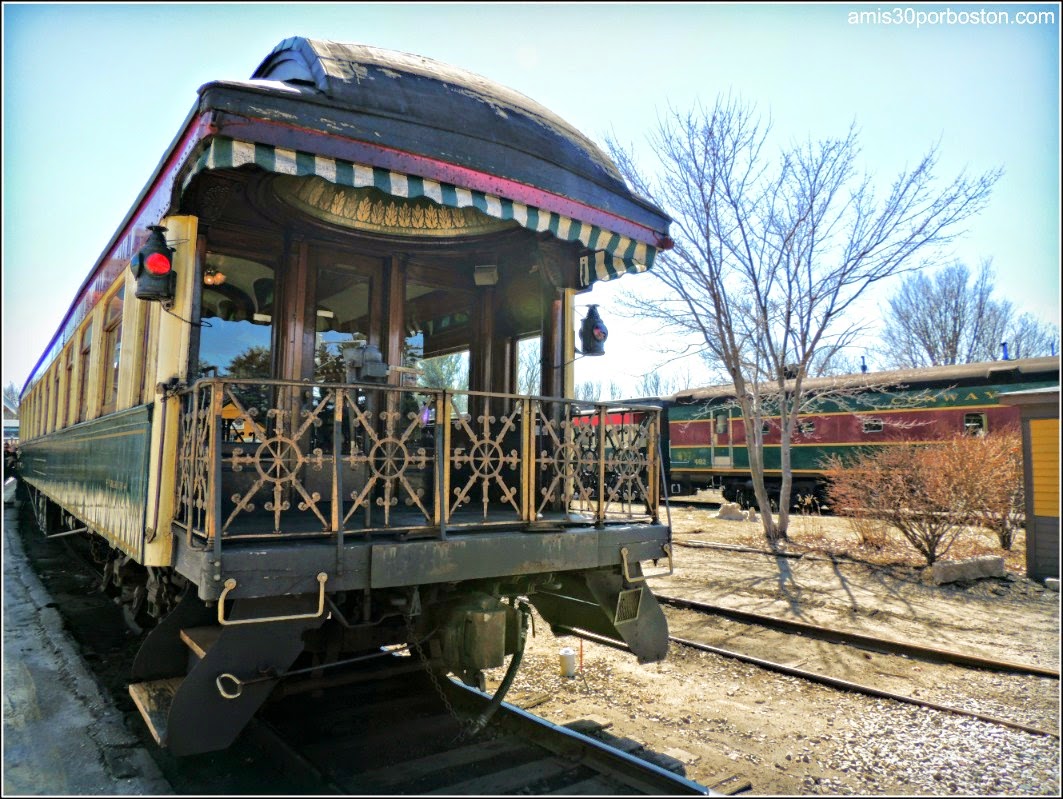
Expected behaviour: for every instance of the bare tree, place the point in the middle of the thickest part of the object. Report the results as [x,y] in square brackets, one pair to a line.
[772,251]
[588,391]
[529,366]
[1027,337]
[11,394]
[950,318]
[654,384]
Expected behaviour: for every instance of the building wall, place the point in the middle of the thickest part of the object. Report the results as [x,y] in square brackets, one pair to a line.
[1041,445]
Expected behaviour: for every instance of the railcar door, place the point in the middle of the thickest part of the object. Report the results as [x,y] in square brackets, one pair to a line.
[721,438]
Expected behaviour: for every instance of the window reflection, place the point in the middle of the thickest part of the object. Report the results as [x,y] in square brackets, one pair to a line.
[437,338]
[237,317]
[112,348]
[342,317]
[236,312]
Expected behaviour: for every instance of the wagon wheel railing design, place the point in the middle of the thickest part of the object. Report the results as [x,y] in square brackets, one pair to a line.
[486,458]
[566,456]
[627,464]
[390,445]
[279,459]
[389,456]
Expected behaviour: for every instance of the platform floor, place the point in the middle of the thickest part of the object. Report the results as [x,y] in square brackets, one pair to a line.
[62,736]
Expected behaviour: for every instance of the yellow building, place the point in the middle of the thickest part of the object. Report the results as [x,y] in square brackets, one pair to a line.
[1039,409]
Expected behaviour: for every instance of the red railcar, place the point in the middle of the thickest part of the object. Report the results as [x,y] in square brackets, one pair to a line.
[707,442]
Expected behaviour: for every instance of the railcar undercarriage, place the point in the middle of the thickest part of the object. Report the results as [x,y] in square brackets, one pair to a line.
[241,651]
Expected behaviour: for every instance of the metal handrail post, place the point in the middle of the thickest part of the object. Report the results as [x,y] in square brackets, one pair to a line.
[339,398]
[443,459]
[215,454]
[599,520]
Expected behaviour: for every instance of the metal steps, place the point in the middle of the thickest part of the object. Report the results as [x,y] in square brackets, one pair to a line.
[154,698]
[200,683]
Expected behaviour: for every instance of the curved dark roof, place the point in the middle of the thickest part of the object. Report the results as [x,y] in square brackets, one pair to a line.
[434,109]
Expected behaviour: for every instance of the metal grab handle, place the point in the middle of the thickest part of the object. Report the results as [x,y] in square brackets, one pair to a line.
[665,548]
[230,584]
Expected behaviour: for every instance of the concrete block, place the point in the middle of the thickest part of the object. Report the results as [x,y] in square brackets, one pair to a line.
[951,571]
[1052,584]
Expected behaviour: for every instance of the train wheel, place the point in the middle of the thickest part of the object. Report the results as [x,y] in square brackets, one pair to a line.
[127,583]
[134,612]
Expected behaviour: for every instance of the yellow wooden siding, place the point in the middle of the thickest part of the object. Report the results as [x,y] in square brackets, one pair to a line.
[1044,450]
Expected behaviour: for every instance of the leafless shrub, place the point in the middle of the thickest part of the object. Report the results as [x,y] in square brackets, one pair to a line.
[924,491]
[993,471]
[872,532]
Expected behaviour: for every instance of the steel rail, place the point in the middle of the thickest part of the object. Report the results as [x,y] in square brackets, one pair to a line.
[822,679]
[634,771]
[577,758]
[867,690]
[873,643]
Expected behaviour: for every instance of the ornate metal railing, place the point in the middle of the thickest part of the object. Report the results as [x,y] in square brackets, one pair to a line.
[268,458]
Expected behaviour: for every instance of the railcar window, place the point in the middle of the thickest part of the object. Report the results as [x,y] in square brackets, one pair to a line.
[529,365]
[343,316]
[873,425]
[721,423]
[444,371]
[112,349]
[68,388]
[45,400]
[57,403]
[438,333]
[974,424]
[237,312]
[83,373]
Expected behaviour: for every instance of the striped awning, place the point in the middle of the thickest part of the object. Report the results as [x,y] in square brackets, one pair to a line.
[614,254]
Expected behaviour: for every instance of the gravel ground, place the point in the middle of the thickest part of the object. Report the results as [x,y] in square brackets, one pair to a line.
[723,718]
[728,720]
[946,754]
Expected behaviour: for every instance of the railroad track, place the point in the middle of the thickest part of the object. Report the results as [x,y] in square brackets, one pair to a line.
[873,643]
[407,734]
[909,651]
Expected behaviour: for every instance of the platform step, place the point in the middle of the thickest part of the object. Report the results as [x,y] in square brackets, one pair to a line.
[153,699]
[201,639]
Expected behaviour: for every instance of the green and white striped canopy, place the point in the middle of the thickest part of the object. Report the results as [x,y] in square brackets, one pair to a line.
[614,254]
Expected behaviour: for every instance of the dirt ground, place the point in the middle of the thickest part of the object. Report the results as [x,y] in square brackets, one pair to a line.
[728,720]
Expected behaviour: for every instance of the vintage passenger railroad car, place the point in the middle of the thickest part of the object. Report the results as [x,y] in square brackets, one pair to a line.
[707,438]
[237,403]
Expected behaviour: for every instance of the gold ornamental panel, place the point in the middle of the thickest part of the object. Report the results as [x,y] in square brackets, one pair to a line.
[373,211]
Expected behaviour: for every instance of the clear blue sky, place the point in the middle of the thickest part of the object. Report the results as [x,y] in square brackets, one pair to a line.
[93,94]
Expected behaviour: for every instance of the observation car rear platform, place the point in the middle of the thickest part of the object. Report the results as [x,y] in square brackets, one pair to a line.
[257,398]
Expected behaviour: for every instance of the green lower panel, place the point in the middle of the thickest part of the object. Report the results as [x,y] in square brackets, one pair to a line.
[803,458]
[98,472]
